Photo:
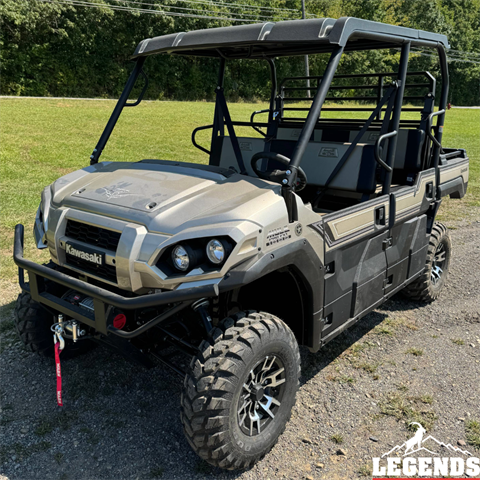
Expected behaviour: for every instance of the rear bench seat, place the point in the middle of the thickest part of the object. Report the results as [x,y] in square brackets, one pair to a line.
[409,144]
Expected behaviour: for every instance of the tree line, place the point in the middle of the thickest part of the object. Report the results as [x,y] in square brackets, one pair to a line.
[55,49]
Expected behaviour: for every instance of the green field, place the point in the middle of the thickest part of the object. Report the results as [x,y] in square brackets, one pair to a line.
[42,140]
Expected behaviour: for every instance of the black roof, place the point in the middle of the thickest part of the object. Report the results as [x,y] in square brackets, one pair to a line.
[294,37]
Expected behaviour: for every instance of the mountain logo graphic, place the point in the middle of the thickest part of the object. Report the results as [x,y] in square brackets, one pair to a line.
[416,444]
[434,458]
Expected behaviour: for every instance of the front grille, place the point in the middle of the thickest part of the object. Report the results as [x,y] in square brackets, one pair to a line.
[108,272]
[95,236]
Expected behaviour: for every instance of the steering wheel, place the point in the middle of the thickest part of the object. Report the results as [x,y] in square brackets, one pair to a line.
[278,175]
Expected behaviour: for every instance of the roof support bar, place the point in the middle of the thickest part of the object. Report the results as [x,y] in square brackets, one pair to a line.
[397,110]
[122,102]
[306,133]
[222,118]
[314,113]
[273,93]
[218,125]
[218,130]
[221,102]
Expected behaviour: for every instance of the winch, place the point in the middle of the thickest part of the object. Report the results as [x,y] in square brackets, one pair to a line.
[78,299]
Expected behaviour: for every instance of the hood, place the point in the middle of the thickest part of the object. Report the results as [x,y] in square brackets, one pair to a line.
[162,195]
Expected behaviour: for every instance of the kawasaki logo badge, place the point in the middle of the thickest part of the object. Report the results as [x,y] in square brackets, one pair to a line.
[328,152]
[91,257]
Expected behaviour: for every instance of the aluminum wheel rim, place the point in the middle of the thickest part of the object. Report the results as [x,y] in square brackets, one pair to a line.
[261,396]
[438,264]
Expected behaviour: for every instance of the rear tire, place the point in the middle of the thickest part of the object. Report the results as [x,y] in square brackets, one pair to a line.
[33,324]
[240,390]
[429,285]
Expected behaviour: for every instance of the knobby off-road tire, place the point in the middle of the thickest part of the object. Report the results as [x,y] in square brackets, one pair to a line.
[251,360]
[33,325]
[429,285]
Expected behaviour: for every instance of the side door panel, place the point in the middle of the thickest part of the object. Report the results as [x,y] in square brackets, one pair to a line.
[418,250]
[355,261]
[398,253]
[406,248]
[369,282]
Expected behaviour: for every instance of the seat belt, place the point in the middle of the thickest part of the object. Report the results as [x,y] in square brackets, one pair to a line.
[388,95]
[383,130]
[388,114]
[222,103]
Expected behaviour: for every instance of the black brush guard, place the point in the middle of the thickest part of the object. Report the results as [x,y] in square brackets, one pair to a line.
[102,298]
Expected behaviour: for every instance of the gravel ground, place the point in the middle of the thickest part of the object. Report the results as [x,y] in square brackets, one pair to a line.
[401,363]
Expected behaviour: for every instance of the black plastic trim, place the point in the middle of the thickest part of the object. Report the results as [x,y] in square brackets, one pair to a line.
[358,317]
[456,188]
[299,254]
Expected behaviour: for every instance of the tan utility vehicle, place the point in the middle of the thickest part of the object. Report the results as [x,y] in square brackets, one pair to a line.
[284,238]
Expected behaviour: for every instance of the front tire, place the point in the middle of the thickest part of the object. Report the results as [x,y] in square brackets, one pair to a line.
[240,390]
[429,285]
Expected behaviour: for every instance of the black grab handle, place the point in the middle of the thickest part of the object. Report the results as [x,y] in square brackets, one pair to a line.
[194,133]
[142,93]
[429,128]
[380,139]
[252,116]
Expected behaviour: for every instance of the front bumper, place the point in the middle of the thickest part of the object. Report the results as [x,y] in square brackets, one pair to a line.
[102,298]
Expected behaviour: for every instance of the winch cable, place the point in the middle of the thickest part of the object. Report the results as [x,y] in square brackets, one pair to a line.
[58,373]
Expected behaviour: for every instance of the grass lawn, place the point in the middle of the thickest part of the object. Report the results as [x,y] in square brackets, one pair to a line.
[42,140]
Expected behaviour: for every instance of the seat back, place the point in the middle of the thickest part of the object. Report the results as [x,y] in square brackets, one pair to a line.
[224,156]
[323,153]
[319,160]
[408,154]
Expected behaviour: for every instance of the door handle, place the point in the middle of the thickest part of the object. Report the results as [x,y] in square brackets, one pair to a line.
[429,190]
[380,215]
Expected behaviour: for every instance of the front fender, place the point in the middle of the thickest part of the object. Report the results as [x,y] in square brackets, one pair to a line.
[299,255]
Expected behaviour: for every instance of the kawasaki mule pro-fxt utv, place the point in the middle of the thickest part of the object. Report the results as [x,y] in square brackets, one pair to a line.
[284,238]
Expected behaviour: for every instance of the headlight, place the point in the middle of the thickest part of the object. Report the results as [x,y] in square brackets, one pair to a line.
[215,251]
[195,256]
[180,258]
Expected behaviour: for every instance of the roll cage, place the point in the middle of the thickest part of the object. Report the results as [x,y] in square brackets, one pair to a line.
[269,40]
